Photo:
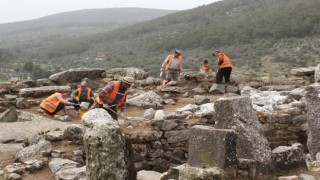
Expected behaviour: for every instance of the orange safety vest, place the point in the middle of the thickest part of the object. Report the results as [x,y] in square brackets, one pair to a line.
[88,93]
[113,94]
[51,103]
[170,61]
[226,61]
[205,67]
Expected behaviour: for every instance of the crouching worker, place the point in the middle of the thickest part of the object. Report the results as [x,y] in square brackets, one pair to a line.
[205,68]
[113,96]
[82,94]
[56,102]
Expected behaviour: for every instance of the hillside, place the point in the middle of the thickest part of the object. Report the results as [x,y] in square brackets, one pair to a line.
[261,36]
[51,29]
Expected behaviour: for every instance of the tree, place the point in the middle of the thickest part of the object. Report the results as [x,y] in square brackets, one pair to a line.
[28,66]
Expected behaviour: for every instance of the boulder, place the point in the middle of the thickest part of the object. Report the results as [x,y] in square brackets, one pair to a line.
[198,100]
[44,82]
[159,115]
[313,106]
[108,151]
[286,158]
[66,169]
[74,132]
[23,84]
[136,73]
[264,100]
[75,75]
[41,91]
[217,89]
[145,98]
[9,115]
[32,151]
[186,171]
[149,114]
[22,103]
[205,110]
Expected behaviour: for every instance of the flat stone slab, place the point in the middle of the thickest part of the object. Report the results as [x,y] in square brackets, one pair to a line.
[75,75]
[41,91]
[308,71]
[26,129]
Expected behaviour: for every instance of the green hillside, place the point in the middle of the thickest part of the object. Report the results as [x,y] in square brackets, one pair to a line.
[261,37]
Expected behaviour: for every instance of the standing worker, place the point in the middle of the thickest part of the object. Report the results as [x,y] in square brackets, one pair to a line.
[113,96]
[82,94]
[224,65]
[173,66]
[56,102]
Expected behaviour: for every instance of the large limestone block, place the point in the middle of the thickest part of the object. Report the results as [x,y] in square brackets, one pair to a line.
[75,75]
[108,151]
[313,106]
[217,89]
[317,74]
[210,147]
[308,71]
[236,113]
[41,91]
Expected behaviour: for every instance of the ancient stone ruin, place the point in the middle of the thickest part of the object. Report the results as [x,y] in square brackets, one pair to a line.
[184,130]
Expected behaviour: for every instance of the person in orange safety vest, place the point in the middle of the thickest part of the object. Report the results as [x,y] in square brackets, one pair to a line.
[56,102]
[173,66]
[205,68]
[82,94]
[224,67]
[113,96]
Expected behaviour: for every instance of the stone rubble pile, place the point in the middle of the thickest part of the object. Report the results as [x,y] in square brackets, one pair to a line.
[251,131]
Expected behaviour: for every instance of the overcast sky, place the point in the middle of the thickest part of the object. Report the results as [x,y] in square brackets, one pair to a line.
[19,10]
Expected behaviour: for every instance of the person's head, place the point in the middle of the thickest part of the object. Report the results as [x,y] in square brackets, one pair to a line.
[177,53]
[65,92]
[84,86]
[215,53]
[205,61]
[127,81]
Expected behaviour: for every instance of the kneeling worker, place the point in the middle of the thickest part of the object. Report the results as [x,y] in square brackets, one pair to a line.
[56,102]
[82,94]
[113,96]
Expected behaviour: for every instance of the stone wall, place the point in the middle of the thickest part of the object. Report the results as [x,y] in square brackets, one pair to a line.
[162,146]
[284,128]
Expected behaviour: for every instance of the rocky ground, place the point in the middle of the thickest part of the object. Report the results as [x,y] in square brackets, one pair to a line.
[16,135]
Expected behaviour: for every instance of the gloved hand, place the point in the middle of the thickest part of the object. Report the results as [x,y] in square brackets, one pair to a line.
[72,104]
[106,106]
